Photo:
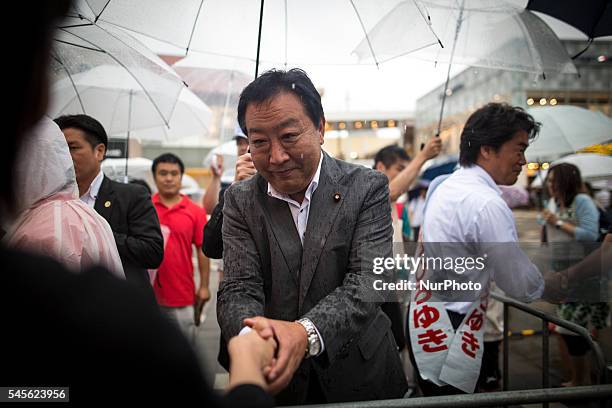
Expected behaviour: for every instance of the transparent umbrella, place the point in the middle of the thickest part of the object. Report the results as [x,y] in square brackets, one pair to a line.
[112,96]
[483,33]
[567,129]
[592,166]
[191,118]
[229,153]
[275,32]
[220,90]
[105,73]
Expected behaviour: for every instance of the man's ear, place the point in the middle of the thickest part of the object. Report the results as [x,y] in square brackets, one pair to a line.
[380,166]
[321,131]
[486,152]
[100,152]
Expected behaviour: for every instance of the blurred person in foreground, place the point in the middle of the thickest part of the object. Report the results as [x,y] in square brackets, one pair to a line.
[466,217]
[174,283]
[91,331]
[126,207]
[299,240]
[51,219]
[572,218]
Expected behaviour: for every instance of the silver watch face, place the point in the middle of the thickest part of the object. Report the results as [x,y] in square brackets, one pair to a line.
[315,348]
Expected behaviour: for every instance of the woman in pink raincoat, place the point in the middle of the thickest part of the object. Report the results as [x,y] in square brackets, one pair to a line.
[52,220]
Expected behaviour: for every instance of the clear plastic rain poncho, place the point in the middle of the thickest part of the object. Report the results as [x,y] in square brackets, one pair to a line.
[52,220]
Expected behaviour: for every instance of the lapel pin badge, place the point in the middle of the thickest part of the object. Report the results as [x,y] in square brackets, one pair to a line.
[107,204]
[337,197]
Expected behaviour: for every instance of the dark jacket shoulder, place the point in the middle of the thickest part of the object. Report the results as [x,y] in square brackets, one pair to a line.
[123,189]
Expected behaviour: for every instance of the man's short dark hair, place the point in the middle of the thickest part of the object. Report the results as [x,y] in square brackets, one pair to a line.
[93,130]
[168,158]
[273,82]
[493,125]
[389,155]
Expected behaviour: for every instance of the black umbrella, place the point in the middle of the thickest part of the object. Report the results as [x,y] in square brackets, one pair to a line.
[592,17]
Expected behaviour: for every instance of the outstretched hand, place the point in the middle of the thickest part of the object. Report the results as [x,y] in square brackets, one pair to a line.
[251,356]
[292,344]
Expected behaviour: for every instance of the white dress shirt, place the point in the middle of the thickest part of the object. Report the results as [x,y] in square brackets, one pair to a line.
[91,194]
[468,207]
[299,211]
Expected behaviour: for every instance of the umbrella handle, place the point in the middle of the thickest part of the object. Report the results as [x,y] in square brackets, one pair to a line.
[423,144]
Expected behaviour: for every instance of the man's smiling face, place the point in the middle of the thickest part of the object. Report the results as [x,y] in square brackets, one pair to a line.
[285,145]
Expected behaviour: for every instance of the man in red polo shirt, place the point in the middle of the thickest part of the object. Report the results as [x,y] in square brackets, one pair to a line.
[183,222]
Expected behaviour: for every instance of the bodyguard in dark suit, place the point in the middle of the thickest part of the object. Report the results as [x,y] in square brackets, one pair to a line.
[127,207]
[135,226]
[299,240]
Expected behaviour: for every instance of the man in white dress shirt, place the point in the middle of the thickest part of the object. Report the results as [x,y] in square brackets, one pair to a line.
[467,207]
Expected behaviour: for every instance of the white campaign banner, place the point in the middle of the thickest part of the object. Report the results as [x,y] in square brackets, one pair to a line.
[444,356]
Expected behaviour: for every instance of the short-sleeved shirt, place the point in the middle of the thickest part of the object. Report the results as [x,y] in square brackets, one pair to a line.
[174,285]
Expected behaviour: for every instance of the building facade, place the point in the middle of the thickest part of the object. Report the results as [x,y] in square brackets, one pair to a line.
[475,87]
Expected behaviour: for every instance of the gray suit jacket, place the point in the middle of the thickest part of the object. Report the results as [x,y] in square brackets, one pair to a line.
[328,280]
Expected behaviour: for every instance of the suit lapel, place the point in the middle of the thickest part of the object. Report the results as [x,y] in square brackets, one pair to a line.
[326,202]
[279,217]
[106,199]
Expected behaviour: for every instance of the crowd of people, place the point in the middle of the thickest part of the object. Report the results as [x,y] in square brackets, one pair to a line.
[99,293]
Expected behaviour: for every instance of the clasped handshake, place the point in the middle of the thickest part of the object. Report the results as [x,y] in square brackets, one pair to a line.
[268,355]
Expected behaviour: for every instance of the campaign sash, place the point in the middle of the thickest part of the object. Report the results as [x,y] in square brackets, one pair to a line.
[445,356]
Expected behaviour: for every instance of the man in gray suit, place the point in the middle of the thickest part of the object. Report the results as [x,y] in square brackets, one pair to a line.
[299,241]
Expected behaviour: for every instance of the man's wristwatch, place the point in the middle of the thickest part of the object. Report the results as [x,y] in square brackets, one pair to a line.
[314,343]
[558,224]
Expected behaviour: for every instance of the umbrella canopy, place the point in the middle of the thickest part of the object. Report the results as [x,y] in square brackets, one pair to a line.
[230,153]
[592,166]
[111,95]
[276,32]
[567,129]
[107,74]
[191,117]
[593,17]
[483,33]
